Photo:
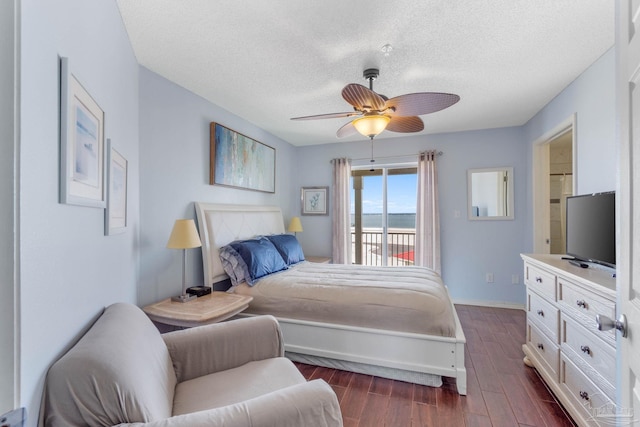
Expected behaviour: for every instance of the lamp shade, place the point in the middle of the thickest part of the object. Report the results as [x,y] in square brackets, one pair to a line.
[184,235]
[371,125]
[295,226]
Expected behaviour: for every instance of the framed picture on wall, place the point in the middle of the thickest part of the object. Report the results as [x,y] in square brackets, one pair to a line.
[115,216]
[81,143]
[241,162]
[314,200]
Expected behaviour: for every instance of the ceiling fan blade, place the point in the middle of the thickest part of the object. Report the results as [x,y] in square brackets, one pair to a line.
[405,124]
[347,130]
[417,104]
[328,116]
[362,98]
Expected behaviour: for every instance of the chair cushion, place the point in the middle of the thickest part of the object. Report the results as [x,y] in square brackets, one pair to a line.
[235,385]
[119,372]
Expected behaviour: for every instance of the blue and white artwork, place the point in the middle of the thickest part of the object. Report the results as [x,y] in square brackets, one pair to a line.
[86,165]
[239,161]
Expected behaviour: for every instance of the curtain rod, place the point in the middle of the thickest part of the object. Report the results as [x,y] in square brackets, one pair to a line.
[438,153]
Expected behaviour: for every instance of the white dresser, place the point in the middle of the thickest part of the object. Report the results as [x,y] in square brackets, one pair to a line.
[576,360]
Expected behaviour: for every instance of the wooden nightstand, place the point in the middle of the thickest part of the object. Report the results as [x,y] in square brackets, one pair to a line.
[318,259]
[212,308]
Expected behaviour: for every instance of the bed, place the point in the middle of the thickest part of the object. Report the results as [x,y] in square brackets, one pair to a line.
[319,330]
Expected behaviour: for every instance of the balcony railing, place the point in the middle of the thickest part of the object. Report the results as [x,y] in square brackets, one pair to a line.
[400,246]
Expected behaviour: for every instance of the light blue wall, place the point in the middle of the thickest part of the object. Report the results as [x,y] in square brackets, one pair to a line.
[470,249]
[592,98]
[174,148]
[68,269]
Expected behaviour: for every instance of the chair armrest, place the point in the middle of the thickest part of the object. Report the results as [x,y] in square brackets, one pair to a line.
[207,349]
[310,404]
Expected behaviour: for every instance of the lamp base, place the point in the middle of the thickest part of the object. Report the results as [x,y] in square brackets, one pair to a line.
[184,298]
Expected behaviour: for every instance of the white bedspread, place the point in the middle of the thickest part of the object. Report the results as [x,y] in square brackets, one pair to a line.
[407,299]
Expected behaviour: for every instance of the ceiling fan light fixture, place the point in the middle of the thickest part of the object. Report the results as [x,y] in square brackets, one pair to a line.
[371,125]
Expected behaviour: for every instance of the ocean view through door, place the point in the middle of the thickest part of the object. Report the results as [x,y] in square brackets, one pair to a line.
[383,215]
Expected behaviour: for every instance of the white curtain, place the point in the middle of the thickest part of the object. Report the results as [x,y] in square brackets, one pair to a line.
[427,243]
[341,206]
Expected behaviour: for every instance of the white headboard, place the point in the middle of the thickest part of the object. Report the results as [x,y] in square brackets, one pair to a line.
[221,224]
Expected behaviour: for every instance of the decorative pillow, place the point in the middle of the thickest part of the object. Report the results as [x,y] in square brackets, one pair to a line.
[261,257]
[234,265]
[288,246]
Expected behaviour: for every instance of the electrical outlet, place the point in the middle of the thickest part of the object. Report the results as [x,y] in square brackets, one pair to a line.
[489,277]
[456,213]
[515,279]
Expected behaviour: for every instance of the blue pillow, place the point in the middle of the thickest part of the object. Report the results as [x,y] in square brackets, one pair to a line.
[288,247]
[261,257]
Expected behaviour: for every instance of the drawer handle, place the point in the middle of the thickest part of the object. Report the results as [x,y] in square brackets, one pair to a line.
[540,346]
[585,349]
[540,313]
[581,303]
[539,279]
[584,395]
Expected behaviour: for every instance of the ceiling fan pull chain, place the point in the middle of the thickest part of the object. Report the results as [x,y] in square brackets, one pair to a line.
[372,161]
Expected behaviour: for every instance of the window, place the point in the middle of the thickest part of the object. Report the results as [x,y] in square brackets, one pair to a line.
[383,215]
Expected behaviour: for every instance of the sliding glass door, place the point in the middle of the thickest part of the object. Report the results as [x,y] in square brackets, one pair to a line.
[383,215]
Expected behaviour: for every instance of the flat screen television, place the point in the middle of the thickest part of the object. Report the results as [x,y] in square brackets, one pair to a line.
[591,228]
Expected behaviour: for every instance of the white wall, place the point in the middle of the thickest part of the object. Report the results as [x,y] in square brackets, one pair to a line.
[592,98]
[69,269]
[8,120]
[174,173]
[470,249]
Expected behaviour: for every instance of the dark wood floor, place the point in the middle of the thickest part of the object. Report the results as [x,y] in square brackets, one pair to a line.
[502,391]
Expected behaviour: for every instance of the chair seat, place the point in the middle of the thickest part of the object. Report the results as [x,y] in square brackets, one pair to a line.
[235,385]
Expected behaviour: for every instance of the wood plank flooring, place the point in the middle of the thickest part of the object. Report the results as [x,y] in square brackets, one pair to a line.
[502,391]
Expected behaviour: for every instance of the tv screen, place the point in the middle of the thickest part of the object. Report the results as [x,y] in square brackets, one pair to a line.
[591,228]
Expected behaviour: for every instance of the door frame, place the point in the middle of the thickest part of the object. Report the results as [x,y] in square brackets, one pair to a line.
[540,171]
[9,215]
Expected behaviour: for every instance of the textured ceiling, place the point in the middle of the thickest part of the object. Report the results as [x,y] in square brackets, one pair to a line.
[268,61]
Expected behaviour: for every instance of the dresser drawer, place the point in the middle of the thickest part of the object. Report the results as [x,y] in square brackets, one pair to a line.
[541,280]
[583,394]
[544,349]
[545,315]
[583,306]
[594,357]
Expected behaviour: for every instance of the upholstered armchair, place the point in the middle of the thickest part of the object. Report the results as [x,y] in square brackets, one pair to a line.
[124,372]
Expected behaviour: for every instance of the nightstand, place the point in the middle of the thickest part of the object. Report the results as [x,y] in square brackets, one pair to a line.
[318,259]
[212,308]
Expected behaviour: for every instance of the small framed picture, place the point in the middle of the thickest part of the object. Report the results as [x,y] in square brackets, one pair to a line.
[314,200]
[115,216]
[81,143]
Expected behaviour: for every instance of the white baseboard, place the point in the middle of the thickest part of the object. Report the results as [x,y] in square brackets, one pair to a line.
[495,304]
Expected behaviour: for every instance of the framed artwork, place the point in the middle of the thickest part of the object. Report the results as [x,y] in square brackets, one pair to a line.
[81,143]
[115,216]
[314,200]
[241,162]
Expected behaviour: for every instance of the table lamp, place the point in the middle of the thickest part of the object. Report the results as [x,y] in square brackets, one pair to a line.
[295,225]
[184,236]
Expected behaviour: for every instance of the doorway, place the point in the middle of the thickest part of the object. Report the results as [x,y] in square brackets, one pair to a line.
[560,187]
[383,215]
[554,170]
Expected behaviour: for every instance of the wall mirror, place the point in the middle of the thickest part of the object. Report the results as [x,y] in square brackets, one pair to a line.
[490,193]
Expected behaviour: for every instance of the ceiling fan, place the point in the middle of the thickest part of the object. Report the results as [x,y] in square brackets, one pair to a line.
[376,112]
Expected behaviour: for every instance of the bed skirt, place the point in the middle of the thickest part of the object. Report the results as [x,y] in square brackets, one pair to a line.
[430,380]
